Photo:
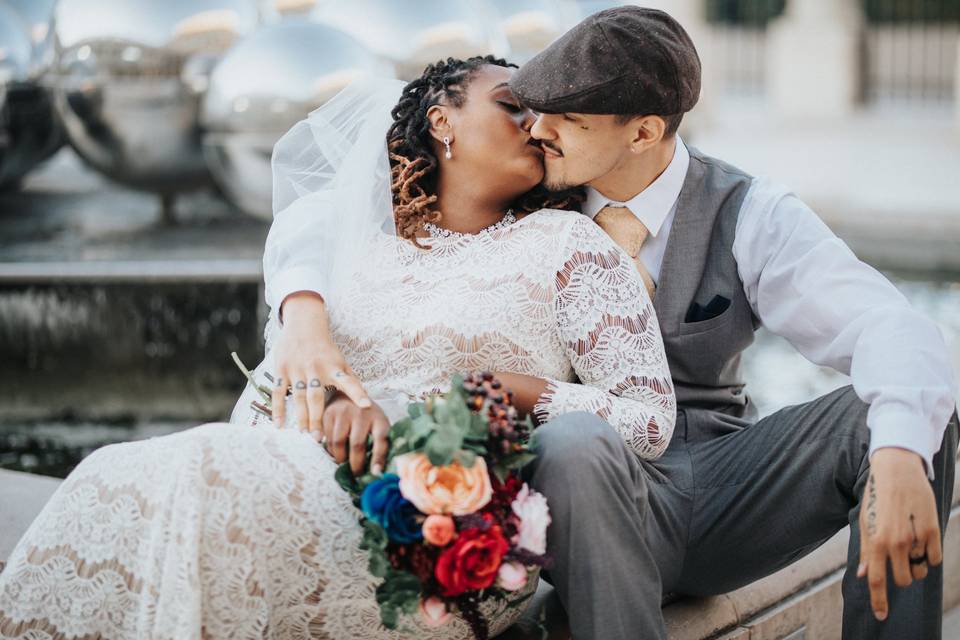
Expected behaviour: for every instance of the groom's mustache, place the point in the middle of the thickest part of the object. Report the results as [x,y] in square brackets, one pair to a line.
[548,145]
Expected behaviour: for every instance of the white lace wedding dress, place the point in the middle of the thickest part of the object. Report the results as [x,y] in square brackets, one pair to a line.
[228,531]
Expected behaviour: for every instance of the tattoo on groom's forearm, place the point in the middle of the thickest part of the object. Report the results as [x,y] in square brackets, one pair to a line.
[872,506]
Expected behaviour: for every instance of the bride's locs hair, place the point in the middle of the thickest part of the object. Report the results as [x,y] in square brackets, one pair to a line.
[413,165]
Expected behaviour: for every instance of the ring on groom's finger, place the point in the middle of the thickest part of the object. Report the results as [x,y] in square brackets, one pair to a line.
[301,385]
[918,560]
[315,382]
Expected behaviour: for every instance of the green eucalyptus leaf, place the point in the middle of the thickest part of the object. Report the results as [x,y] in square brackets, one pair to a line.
[520,460]
[416,409]
[400,429]
[389,616]
[466,458]
[378,564]
[442,445]
[422,426]
[345,478]
[479,427]
[374,536]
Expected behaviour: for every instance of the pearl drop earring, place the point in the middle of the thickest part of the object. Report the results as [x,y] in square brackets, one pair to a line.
[446,143]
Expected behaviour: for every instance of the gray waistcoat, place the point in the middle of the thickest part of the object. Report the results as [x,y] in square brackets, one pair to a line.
[698,265]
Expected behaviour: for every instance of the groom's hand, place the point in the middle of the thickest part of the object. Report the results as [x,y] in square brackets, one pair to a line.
[306,360]
[346,428]
[898,523]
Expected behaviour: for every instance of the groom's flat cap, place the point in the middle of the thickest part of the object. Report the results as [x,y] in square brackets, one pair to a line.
[626,61]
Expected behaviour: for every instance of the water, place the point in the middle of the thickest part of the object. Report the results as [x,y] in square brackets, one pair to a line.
[777,375]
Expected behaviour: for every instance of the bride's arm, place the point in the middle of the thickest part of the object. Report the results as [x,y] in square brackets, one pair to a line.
[304,349]
[606,322]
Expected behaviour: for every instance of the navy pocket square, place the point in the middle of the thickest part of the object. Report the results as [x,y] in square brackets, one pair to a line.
[714,308]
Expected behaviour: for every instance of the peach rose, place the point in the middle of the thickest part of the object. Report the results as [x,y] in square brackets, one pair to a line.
[438,530]
[451,489]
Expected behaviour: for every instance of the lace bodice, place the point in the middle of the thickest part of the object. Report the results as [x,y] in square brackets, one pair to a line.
[549,296]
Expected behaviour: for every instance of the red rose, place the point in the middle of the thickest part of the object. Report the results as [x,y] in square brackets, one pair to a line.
[472,562]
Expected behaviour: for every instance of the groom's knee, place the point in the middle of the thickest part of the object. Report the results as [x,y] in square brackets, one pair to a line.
[578,446]
[572,435]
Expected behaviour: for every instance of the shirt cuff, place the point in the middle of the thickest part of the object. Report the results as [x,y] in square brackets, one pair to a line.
[893,426]
[292,280]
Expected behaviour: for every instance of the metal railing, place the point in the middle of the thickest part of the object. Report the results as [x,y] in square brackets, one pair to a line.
[911,50]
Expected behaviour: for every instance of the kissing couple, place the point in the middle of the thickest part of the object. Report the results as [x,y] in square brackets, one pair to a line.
[548,225]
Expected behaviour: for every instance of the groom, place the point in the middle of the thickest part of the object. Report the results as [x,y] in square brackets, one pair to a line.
[733,498]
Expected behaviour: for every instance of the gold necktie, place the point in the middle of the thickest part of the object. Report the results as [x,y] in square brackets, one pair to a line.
[628,232]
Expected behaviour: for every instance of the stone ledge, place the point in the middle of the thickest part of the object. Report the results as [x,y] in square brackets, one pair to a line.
[802,598]
[22,496]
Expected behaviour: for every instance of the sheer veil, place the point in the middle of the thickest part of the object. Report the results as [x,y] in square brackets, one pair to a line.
[331,191]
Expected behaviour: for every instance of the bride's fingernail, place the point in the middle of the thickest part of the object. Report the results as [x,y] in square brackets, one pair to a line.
[364,403]
[376,470]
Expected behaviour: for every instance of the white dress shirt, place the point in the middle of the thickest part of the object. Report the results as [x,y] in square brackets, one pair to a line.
[805,284]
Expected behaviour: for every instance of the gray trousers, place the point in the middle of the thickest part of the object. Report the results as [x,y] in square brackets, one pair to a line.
[728,503]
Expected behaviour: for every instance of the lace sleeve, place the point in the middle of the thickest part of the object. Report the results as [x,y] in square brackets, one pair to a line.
[608,327]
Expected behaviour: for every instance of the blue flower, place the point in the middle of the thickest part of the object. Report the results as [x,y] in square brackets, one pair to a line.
[382,502]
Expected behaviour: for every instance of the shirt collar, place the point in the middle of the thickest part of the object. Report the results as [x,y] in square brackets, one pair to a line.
[653,204]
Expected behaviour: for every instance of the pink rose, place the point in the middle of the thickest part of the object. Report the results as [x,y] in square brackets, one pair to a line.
[433,611]
[512,576]
[450,489]
[531,508]
[438,530]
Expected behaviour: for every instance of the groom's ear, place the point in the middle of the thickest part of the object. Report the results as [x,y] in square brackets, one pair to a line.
[440,126]
[646,131]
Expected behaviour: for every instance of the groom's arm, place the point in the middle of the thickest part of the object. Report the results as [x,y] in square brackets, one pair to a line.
[807,286]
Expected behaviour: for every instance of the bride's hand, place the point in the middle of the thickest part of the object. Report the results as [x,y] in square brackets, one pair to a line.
[346,428]
[306,359]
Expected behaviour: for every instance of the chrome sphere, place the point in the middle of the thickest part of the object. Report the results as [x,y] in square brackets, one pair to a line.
[38,16]
[275,10]
[29,132]
[129,78]
[531,25]
[261,88]
[413,35]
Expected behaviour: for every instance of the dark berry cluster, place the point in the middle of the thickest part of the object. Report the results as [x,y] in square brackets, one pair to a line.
[486,395]
[418,559]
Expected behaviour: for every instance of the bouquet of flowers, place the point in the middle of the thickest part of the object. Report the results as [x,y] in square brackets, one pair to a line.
[451,524]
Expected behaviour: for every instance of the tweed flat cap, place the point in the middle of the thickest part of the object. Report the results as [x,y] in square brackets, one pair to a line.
[625,61]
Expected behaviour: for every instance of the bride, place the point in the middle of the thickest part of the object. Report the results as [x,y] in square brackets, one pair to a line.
[438,258]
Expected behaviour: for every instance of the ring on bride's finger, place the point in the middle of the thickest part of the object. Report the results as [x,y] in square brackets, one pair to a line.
[339,374]
[315,382]
[279,382]
[301,385]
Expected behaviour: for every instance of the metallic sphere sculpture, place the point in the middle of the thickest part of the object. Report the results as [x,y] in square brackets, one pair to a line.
[29,132]
[261,88]
[413,35]
[37,16]
[129,78]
